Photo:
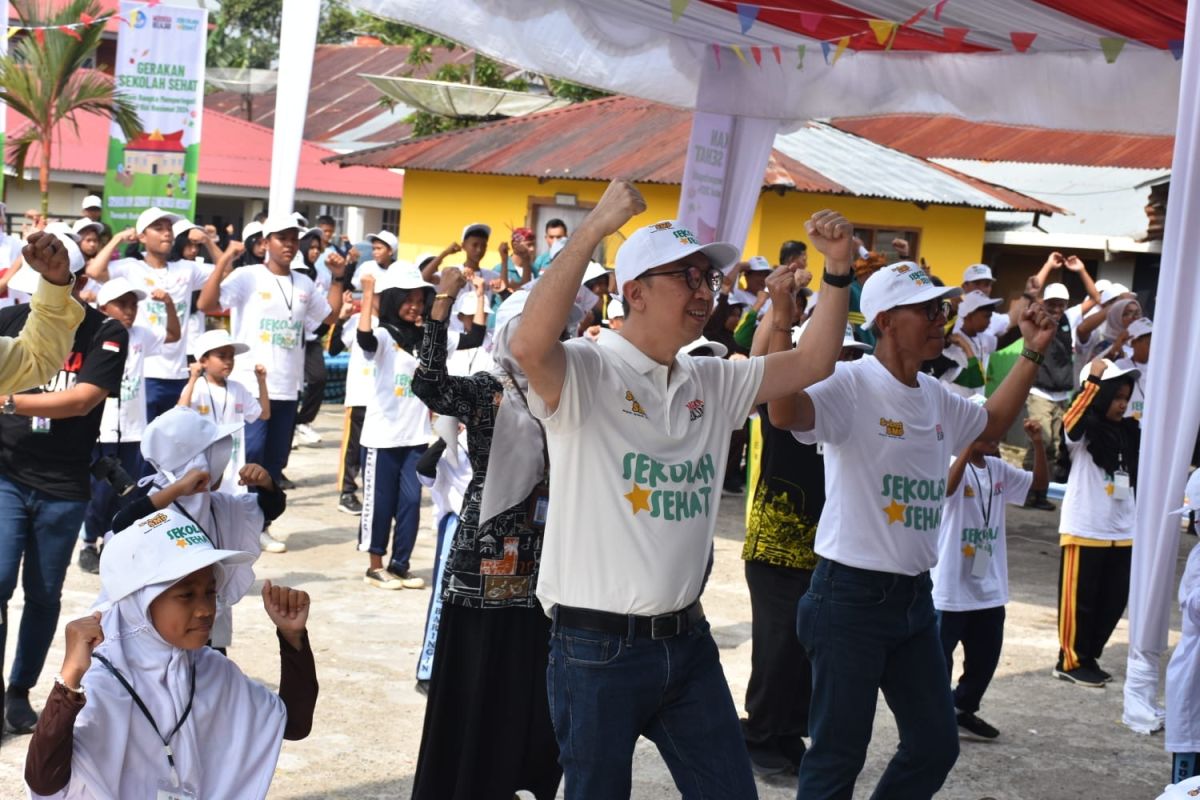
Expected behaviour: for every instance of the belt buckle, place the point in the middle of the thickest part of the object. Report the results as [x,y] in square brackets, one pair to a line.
[658,631]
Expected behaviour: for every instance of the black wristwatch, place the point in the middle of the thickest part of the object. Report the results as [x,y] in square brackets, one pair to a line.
[837,281]
[9,407]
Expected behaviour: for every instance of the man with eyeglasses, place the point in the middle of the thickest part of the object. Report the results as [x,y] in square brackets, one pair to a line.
[867,621]
[647,431]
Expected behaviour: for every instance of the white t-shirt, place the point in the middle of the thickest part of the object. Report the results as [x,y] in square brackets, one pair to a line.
[179,279]
[143,342]
[983,345]
[886,450]
[448,488]
[272,313]
[360,370]
[973,527]
[395,417]
[642,447]
[1090,508]
[1183,671]
[232,403]
[468,362]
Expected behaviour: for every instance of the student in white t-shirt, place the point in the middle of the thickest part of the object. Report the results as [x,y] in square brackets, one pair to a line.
[166,370]
[383,253]
[1182,739]
[360,382]
[638,435]
[124,416]
[1097,522]
[214,394]
[867,621]
[272,310]
[970,581]
[396,427]
[972,345]
[1139,335]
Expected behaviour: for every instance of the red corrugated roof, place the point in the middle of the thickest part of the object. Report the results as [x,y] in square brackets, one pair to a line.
[234,152]
[932,136]
[600,140]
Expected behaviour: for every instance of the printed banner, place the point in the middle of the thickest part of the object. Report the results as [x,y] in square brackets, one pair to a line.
[160,69]
[704,173]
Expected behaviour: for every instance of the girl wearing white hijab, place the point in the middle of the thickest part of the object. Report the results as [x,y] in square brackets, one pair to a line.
[492,648]
[142,708]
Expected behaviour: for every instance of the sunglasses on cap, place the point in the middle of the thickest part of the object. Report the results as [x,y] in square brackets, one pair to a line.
[694,276]
[932,309]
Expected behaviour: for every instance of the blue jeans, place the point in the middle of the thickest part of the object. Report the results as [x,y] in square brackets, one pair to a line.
[865,631]
[105,503]
[391,491]
[162,394]
[42,530]
[982,635]
[605,690]
[269,441]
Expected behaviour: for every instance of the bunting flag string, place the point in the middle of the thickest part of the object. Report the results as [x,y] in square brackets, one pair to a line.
[69,28]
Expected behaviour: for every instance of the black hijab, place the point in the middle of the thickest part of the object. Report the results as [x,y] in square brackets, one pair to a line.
[1113,445]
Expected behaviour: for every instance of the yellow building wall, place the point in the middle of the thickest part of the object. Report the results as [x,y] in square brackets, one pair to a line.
[438,204]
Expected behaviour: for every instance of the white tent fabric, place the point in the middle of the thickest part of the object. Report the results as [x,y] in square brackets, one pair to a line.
[1172,414]
[297,42]
[633,47]
[1064,80]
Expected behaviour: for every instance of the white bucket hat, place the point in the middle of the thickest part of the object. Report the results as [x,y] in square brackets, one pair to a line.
[216,338]
[718,350]
[116,287]
[973,301]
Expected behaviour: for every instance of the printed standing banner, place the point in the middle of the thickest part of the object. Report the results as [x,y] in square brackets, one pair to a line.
[160,68]
[704,173]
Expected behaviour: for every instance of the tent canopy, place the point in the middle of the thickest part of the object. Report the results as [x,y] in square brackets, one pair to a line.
[794,60]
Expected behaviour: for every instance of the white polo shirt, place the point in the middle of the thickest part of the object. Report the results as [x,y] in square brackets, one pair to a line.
[642,446]
[887,445]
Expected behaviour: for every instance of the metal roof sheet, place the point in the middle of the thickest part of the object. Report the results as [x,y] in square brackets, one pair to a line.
[933,136]
[646,142]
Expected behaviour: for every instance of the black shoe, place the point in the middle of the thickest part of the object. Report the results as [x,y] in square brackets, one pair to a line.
[423,687]
[19,716]
[972,727]
[348,504]
[1082,675]
[89,559]
[1038,501]
[1104,674]
[285,484]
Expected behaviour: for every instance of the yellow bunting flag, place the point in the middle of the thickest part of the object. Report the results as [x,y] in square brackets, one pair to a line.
[883,29]
[800,52]
[737,51]
[677,9]
[1112,47]
[842,44]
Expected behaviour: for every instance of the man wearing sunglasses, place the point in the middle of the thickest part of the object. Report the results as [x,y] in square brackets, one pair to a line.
[867,621]
[648,433]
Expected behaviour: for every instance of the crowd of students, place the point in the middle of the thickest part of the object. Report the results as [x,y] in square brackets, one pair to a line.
[875,541]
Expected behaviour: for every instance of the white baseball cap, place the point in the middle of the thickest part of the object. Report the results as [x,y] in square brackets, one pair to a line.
[759,264]
[301,220]
[214,339]
[1112,292]
[900,284]
[1111,370]
[116,287]
[277,223]
[616,309]
[468,303]
[1102,284]
[1191,495]
[251,229]
[400,276]
[91,201]
[1056,291]
[152,215]
[848,340]
[83,223]
[387,237]
[183,225]
[663,243]
[163,547]
[978,272]
[973,301]
[476,227]
[1142,326]
[718,350]
[594,270]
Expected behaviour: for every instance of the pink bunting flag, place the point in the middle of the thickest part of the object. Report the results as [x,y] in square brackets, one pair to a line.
[40,35]
[1022,40]
[69,31]
[937,10]
[955,35]
[778,51]
[756,52]
[717,54]
[809,21]
[86,19]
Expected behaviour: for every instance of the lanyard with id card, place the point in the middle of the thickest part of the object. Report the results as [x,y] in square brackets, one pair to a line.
[1121,488]
[981,560]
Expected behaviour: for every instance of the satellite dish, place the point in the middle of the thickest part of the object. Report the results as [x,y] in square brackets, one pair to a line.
[244,81]
[462,100]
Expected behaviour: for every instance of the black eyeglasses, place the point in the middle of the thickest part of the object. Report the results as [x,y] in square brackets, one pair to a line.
[694,276]
[932,309]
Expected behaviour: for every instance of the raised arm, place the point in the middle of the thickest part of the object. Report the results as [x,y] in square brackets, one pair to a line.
[1053,261]
[535,343]
[789,371]
[210,293]
[430,270]
[1076,265]
[97,268]
[957,469]
[174,331]
[1006,402]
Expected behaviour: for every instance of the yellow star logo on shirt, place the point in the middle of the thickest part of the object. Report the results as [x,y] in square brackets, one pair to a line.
[639,499]
[968,492]
[1109,489]
[265,295]
[203,409]
[969,550]
[150,282]
[895,512]
[265,336]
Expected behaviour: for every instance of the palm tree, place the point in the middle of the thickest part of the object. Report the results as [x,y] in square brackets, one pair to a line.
[43,79]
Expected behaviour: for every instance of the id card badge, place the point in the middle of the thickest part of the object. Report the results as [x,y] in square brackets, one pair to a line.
[1121,485]
[981,562]
[40,424]
[168,791]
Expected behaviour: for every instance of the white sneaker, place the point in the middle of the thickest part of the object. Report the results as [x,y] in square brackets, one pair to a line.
[307,435]
[270,544]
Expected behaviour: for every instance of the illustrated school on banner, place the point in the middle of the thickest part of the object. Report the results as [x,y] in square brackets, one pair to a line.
[160,69]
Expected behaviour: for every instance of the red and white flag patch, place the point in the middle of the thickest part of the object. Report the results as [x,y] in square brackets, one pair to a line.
[112,347]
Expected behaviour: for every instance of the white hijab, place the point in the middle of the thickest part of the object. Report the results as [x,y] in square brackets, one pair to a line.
[227,747]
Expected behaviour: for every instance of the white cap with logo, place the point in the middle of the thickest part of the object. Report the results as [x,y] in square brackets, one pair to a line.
[477,228]
[758,264]
[973,301]
[152,215]
[978,272]
[1056,291]
[277,223]
[900,284]
[664,243]
[1142,326]
[1111,370]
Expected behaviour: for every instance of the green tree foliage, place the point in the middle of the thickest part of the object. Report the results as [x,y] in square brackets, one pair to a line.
[245,34]
[43,79]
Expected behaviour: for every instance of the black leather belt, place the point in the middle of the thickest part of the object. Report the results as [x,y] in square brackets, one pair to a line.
[660,626]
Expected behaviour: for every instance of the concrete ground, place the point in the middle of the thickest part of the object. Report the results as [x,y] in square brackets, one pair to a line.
[1057,740]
